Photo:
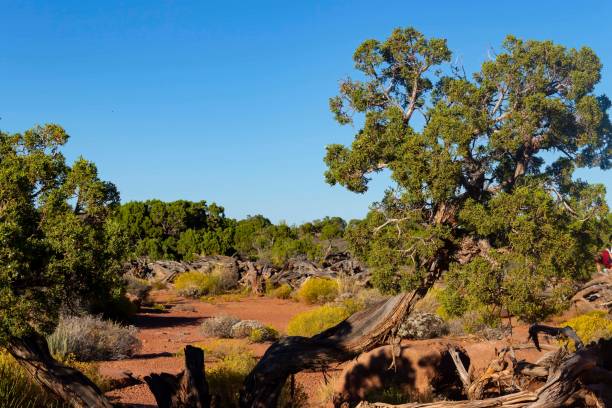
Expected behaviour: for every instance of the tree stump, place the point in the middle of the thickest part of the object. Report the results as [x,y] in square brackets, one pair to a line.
[188,389]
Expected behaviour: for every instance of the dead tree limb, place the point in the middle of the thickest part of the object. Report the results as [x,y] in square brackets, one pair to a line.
[188,389]
[359,333]
[585,374]
[566,331]
[463,373]
[67,383]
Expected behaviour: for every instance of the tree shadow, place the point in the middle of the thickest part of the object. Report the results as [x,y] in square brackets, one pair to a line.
[158,321]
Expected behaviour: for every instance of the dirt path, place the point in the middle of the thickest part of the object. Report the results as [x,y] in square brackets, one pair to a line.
[163,334]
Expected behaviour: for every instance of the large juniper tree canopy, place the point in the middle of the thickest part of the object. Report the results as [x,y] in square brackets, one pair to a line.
[56,245]
[483,185]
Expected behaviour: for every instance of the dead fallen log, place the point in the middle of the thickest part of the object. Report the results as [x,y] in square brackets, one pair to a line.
[69,384]
[188,389]
[582,378]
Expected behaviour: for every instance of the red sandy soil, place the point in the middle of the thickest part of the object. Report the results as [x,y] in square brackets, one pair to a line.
[163,334]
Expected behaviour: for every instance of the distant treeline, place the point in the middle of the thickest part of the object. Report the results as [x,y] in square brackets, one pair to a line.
[182,230]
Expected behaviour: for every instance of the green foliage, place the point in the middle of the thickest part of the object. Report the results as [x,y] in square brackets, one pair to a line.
[195,284]
[281,292]
[312,322]
[257,238]
[317,290]
[484,187]
[389,395]
[58,244]
[175,230]
[591,326]
[17,389]
[226,376]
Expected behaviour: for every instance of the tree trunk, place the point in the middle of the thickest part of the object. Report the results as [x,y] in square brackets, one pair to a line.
[67,383]
[359,333]
[188,389]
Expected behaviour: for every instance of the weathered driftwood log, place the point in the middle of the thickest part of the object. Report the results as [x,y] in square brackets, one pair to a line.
[67,383]
[188,389]
[361,332]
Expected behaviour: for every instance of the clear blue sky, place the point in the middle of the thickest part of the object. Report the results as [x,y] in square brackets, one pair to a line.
[227,101]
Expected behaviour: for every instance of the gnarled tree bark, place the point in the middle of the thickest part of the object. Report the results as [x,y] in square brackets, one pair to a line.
[359,333]
[67,383]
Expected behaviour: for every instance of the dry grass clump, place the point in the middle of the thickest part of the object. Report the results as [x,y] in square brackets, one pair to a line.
[220,326]
[225,297]
[87,338]
[318,290]
[138,287]
[18,391]
[314,321]
[280,292]
[226,375]
[197,284]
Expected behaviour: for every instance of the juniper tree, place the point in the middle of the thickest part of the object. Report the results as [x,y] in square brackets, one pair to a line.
[482,169]
[56,246]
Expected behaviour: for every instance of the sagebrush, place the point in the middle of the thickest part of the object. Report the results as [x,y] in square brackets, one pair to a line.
[87,338]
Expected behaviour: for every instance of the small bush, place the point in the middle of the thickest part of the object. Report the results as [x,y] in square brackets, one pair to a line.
[244,328]
[87,338]
[591,326]
[318,290]
[225,377]
[312,322]
[220,326]
[263,334]
[138,287]
[18,391]
[227,275]
[197,284]
[281,292]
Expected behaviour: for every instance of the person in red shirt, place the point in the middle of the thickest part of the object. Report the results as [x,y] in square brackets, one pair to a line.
[604,260]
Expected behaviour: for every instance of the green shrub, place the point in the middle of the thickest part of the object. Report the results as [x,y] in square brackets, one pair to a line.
[263,334]
[591,326]
[18,391]
[196,284]
[226,376]
[317,290]
[315,321]
[87,338]
[280,292]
